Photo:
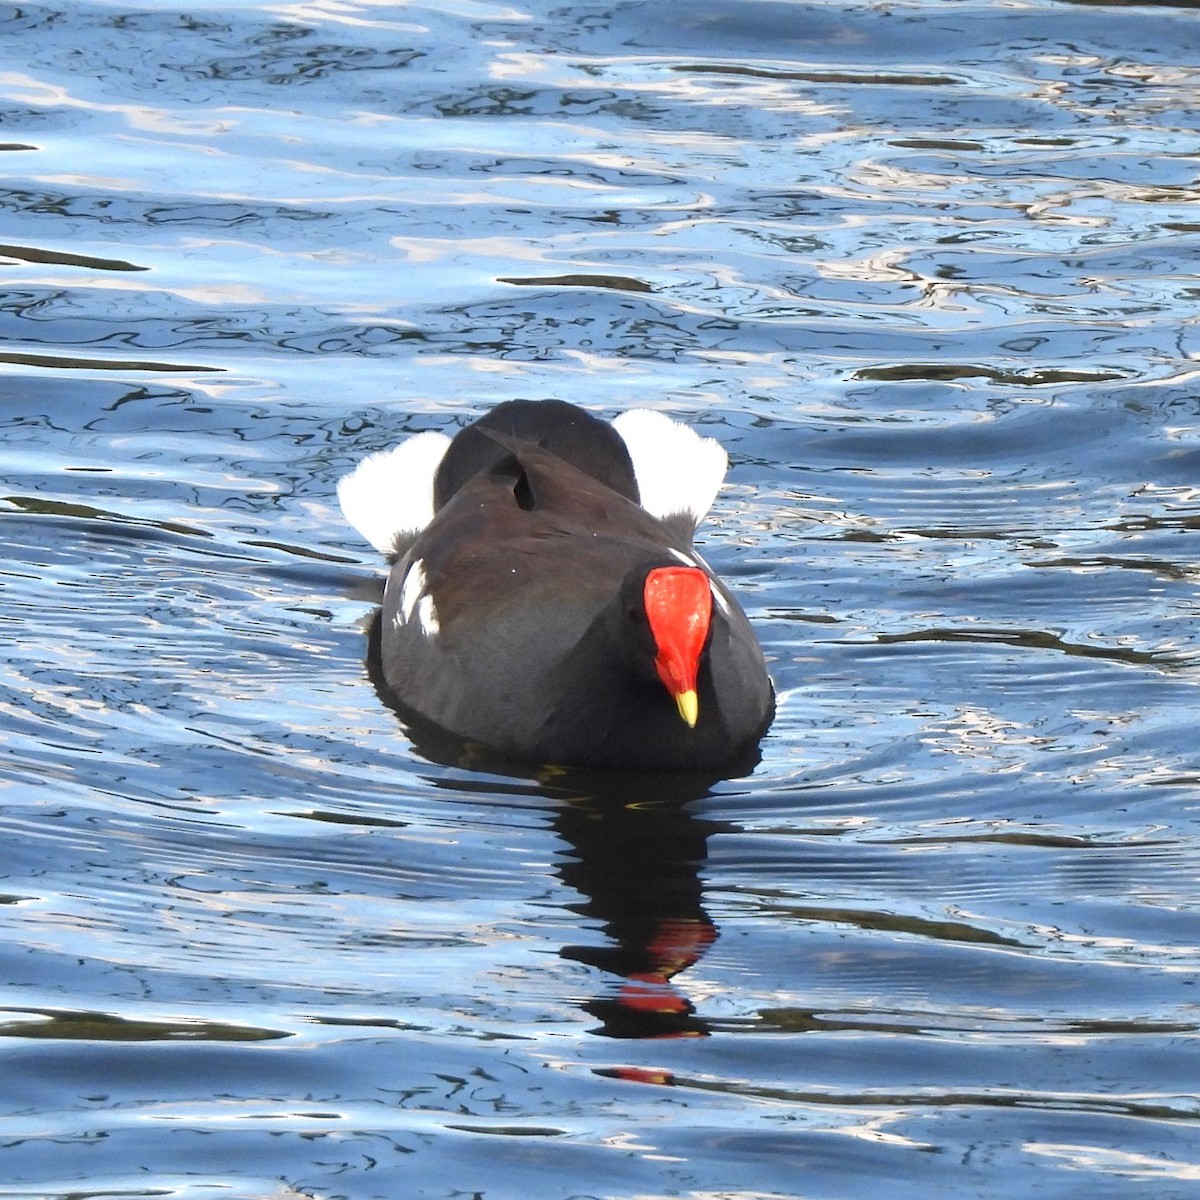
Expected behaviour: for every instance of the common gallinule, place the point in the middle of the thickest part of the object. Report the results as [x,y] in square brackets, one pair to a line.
[545,599]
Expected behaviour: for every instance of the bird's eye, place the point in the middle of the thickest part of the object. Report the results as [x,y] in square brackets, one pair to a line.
[636,615]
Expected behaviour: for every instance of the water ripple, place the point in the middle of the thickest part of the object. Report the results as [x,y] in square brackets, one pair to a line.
[927,272]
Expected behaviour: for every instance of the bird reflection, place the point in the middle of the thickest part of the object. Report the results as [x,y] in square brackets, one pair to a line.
[635,854]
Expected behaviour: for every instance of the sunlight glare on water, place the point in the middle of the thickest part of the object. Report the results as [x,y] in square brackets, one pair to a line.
[927,271]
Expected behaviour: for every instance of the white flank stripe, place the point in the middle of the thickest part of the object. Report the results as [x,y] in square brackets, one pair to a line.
[412,589]
[677,470]
[694,560]
[391,492]
[427,617]
[721,602]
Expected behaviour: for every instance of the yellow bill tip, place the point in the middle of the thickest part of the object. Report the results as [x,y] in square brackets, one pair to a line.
[688,704]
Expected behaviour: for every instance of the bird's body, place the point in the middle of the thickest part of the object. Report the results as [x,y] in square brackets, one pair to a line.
[543,612]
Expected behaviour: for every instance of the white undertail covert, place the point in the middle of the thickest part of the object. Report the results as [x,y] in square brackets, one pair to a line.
[391,493]
[677,470]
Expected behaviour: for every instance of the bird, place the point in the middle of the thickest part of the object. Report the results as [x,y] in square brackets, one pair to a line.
[545,600]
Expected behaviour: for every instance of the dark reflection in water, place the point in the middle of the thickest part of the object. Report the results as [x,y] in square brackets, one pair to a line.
[635,856]
[637,863]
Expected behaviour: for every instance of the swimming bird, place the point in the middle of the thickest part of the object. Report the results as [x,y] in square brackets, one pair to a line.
[545,599]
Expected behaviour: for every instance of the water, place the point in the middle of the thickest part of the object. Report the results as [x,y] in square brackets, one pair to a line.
[928,270]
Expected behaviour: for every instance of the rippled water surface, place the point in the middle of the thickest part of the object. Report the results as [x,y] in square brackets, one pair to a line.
[929,271]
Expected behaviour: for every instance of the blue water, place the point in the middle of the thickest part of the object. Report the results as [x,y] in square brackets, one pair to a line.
[928,271]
